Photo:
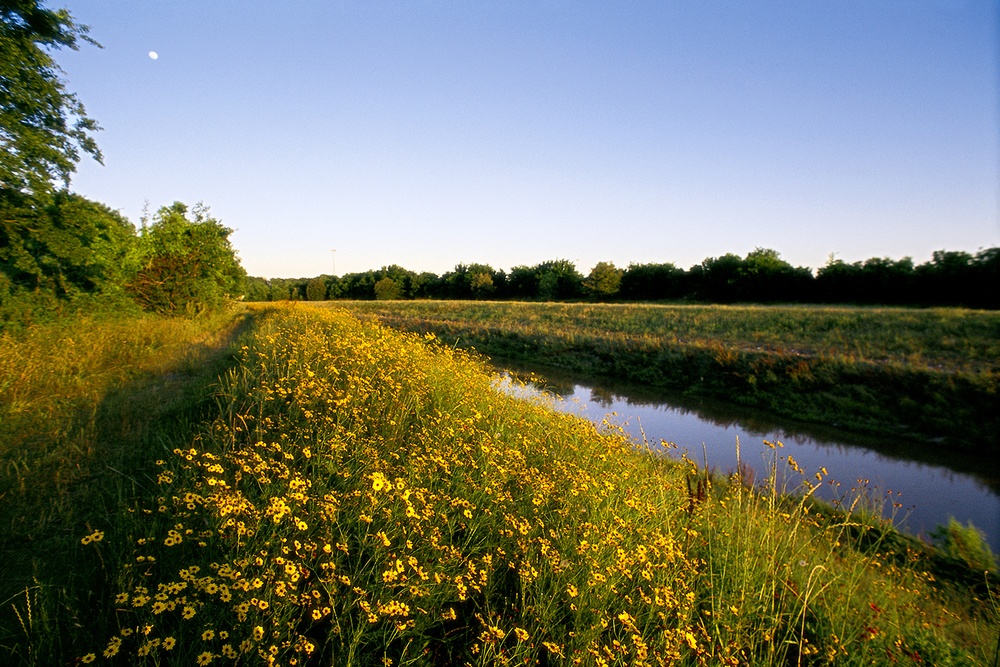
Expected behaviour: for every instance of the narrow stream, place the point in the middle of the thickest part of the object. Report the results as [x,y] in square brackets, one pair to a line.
[930,485]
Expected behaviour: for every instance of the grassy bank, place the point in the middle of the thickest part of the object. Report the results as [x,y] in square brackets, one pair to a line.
[927,374]
[87,404]
[364,497]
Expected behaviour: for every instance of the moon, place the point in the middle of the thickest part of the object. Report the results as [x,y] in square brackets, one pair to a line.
[153,55]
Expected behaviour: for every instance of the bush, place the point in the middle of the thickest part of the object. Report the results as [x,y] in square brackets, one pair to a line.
[185,264]
[965,543]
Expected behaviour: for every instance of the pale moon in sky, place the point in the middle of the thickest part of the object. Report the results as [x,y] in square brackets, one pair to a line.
[153,55]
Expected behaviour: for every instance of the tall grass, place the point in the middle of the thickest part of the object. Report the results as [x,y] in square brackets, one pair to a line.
[86,405]
[365,497]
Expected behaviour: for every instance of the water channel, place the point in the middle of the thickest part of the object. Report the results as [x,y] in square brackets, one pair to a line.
[928,483]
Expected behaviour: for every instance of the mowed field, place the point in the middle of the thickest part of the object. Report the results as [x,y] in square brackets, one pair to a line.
[928,374]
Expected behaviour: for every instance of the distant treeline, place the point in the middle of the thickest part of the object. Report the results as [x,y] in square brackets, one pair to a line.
[950,278]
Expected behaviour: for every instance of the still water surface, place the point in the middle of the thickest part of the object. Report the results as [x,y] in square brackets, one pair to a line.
[928,483]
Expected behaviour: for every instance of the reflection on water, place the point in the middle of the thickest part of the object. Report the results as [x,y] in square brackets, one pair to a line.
[928,483]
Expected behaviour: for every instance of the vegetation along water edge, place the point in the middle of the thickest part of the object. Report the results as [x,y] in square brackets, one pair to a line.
[928,375]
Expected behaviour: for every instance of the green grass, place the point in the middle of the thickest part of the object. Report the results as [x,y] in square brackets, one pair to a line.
[358,496]
[922,374]
[940,338]
[86,405]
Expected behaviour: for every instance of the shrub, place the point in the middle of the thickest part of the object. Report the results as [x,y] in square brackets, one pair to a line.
[965,543]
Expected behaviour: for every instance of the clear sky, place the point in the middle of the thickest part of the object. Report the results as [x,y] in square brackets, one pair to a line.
[428,133]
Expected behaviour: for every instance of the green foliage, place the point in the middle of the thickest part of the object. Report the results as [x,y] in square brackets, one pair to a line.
[402,277]
[43,127]
[604,280]
[256,289]
[424,285]
[950,278]
[472,281]
[481,285]
[552,280]
[388,289]
[316,289]
[67,247]
[966,544]
[653,282]
[876,280]
[184,264]
[762,276]
[281,289]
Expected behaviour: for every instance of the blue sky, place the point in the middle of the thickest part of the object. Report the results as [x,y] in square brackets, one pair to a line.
[427,133]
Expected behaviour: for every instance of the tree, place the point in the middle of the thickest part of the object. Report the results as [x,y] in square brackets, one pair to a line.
[559,279]
[316,289]
[388,289]
[604,280]
[184,264]
[522,283]
[717,278]
[68,246]
[481,285]
[424,285]
[471,281]
[767,277]
[402,277]
[256,289]
[43,127]
[653,281]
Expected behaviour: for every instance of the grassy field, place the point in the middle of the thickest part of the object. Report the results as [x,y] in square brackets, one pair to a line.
[925,374]
[358,496]
[86,407]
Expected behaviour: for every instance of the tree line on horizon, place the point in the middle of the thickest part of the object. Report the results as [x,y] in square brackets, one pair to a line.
[949,278]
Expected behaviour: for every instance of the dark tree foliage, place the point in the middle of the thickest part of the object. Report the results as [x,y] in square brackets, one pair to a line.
[559,279]
[358,286]
[316,289]
[387,289]
[522,283]
[68,246]
[762,276]
[879,280]
[961,278]
[286,289]
[425,285]
[43,127]
[717,279]
[473,281]
[986,278]
[553,280]
[949,279]
[653,282]
[765,277]
[185,264]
